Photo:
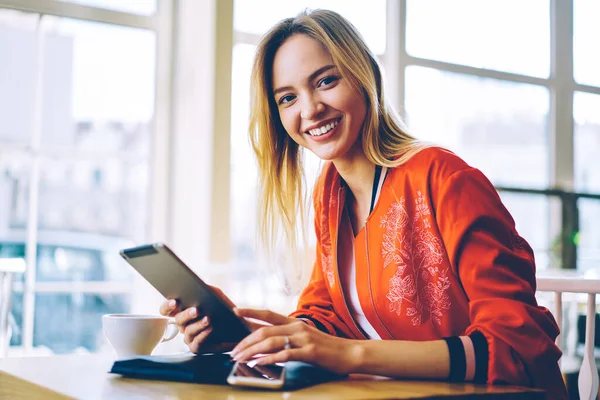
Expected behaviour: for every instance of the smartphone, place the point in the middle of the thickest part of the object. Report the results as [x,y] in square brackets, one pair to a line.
[175,280]
[260,376]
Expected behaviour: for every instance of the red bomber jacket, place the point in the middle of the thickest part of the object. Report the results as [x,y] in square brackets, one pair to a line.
[439,256]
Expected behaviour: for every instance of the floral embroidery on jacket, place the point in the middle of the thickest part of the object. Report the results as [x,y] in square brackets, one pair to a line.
[419,283]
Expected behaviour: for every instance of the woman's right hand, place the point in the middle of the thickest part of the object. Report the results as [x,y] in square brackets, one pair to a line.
[195,326]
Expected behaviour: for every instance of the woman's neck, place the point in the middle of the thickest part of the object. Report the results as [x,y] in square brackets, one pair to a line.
[357,171]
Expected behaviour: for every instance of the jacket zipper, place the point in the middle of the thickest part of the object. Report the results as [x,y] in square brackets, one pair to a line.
[369,283]
[337,265]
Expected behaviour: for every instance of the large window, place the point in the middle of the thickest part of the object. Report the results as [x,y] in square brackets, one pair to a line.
[501,99]
[474,33]
[76,114]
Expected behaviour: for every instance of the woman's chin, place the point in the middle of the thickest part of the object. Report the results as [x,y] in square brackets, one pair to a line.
[326,156]
[333,154]
[338,148]
[326,153]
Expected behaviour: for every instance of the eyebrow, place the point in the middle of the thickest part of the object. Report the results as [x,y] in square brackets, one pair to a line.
[310,78]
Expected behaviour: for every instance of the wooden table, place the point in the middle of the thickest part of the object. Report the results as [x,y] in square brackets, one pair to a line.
[86,377]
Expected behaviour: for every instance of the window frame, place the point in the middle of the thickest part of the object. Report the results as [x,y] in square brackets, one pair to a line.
[161,23]
[560,84]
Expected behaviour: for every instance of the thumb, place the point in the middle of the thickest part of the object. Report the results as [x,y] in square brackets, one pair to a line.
[263,315]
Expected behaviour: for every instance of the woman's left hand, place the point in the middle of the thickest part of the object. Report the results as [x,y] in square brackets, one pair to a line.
[289,339]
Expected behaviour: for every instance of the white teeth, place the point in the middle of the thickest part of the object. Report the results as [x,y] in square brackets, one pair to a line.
[323,130]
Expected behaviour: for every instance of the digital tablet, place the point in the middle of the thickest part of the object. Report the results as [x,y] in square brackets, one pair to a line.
[173,279]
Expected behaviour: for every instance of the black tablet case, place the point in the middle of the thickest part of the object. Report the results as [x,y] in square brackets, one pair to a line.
[211,369]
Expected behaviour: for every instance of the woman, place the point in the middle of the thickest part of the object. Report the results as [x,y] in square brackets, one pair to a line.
[413,245]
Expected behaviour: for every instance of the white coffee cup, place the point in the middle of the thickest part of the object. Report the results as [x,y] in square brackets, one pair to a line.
[133,335]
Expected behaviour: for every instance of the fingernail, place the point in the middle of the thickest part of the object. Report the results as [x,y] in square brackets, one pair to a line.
[205,321]
[193,312]
[172,303]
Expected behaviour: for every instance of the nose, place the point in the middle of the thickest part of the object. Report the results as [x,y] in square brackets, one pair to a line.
[311,108]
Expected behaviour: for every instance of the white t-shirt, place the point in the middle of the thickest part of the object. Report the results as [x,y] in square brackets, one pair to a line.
[347,268]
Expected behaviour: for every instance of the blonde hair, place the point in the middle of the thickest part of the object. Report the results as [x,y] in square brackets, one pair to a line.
[385,140]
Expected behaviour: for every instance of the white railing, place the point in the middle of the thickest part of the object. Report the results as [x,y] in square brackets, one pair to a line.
[564,281]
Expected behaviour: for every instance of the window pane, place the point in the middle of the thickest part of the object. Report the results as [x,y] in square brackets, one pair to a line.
[496,126]
[17,75]
[98,86]
[587,141]
[88,210]
[586,32]
[143,7]
[370,21]
[532,218]
[97,98]
[588,255]
[76,323]
[503,35]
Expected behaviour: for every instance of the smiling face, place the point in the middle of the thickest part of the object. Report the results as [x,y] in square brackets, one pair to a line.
[318,108]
